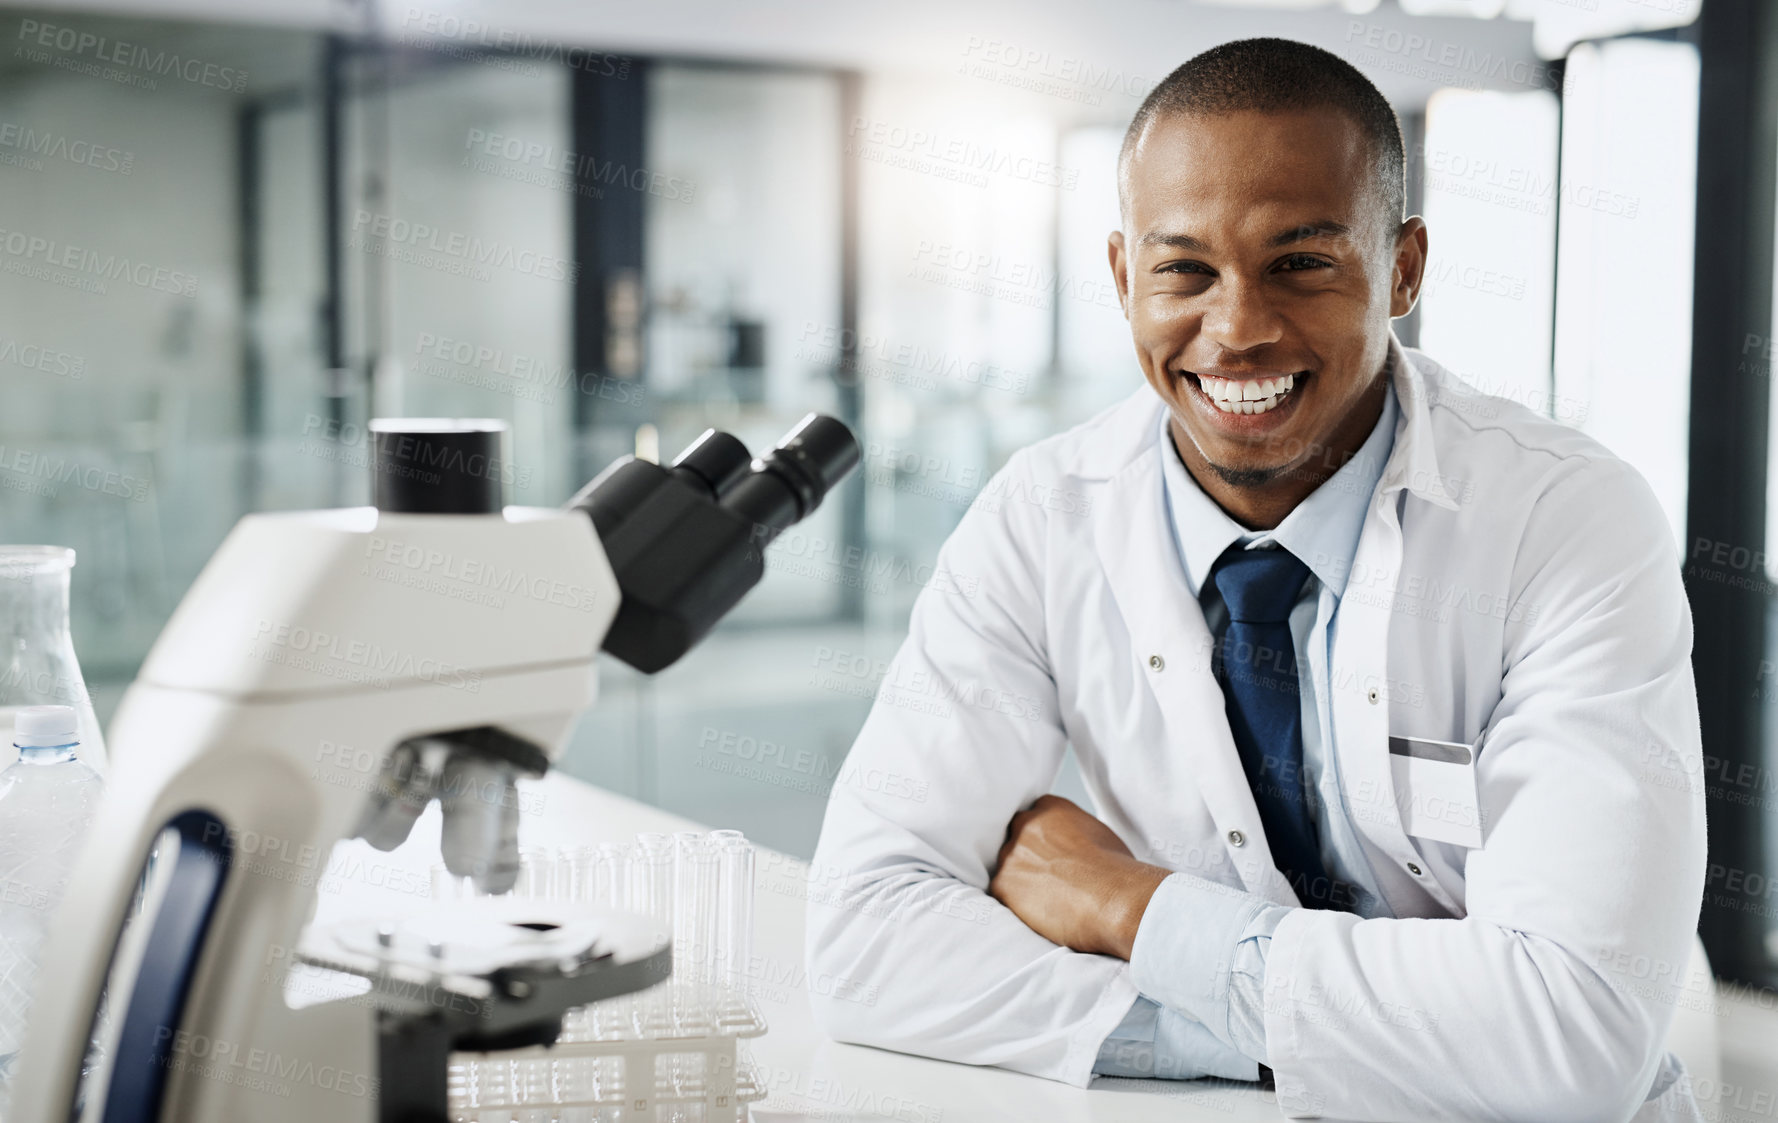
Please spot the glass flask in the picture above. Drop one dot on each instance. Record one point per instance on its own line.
(37, 663)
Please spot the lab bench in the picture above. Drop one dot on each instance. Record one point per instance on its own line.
(809, 1076)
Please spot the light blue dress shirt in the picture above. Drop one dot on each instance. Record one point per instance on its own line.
(1197, 1018)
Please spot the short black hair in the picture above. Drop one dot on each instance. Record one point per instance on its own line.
(1270, 76)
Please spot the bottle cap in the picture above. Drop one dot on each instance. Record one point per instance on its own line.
(41, 727)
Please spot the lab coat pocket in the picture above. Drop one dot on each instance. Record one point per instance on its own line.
(1435, 790)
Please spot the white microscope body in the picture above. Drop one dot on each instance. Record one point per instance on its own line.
(456, 652)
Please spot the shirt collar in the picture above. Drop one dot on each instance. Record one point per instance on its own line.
(1322, 531)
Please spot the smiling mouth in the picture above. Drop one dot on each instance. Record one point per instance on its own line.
(1248, 395)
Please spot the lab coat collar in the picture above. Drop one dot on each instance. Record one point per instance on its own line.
(1414, 464)
(1132, 429)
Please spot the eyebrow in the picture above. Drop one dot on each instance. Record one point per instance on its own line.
(1326, 228)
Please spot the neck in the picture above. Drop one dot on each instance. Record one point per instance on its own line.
(48, 754)
(1263, 506)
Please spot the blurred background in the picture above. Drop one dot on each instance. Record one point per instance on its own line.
(232, 231)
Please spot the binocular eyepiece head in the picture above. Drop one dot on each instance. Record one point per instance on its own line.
(687, 541)
(781, 487)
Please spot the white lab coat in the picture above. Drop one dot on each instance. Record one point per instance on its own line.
(1515, 586)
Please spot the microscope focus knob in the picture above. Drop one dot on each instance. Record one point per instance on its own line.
(438, 465)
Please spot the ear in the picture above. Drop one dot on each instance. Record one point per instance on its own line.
(1120, 274)
(1410, 267)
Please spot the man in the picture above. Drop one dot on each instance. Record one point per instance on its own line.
(1380, 696)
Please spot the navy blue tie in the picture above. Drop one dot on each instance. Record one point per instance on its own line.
(1258, 673)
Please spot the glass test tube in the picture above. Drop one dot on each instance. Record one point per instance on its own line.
(694, 908)
(650, 888)
(735, 918)
(610, 870)
(575, 874)
(536, 873)
(649, 880)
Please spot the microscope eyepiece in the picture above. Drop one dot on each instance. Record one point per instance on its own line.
(789, 482)
(716, 460)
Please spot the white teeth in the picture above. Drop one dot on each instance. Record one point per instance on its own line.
(1252, 395)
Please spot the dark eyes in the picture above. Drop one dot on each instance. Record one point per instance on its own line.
(1295, 263)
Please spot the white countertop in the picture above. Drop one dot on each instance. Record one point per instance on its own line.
(809, 1076)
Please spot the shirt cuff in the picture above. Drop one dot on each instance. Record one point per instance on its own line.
(1247, 985)
(1200, 951)
(1156, 1042)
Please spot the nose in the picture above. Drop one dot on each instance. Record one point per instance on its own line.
(1238, 317)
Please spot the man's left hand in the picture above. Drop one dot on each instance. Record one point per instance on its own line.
(1071, 880)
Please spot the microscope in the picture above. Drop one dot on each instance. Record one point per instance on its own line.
(454, 639)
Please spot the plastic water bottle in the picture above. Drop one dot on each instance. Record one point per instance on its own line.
(38, 666)
(47, 800)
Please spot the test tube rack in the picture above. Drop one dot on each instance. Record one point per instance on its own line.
(668, 1054)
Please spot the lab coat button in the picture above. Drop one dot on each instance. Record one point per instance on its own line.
(1413, 869)
(1156, 663)
(1372, 695)
(1236, 838)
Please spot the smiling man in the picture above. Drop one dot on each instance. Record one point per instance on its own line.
(1382, 707)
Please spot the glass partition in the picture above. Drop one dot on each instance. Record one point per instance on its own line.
(128, 323)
